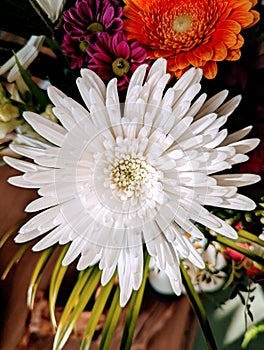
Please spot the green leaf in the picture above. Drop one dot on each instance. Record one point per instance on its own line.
(198, 308)
(80, 296)
(75, 295)
(97, 310)
(133, 310)
(55, 284)
(37, 274)
(36, 91)
(111, 321)
(15, 259)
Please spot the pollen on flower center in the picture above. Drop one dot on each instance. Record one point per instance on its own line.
(131, 176)
(182, 23)
(120, 66)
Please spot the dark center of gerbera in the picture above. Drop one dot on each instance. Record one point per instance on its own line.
(181, 23)
(94, 28)
(120, 66)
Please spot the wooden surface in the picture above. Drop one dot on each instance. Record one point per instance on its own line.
(163, 324)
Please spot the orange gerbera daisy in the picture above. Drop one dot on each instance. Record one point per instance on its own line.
(188, 32)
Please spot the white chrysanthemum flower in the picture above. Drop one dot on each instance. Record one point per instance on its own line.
(123, 176)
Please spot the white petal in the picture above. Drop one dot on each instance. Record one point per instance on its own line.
(51, 238)
(236, 136)
(236, 179)
(73, 251)
(21, 165)
(41, 203)
(245, 146)
(30, 152)
(46, 128)
(19, 181)
(53, 8)
(211, 105)
(89, 83)
(229, 106)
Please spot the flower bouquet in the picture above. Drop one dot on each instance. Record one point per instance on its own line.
(136, 171)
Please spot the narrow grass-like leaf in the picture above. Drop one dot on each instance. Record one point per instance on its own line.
(133, 310)
(11, 230)
(15, 259)
(55, 284)
(111, 321)
(250, 237)
(198, 308)
(74, 297)
(37, 274)
(97, 310)
(36, 91)
(86, 286)
(231, 244)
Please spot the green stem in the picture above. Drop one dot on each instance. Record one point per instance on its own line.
(37, 274)
(96, 313)
(55, 283)
(111, 322)
(133, 311)
(250, 237)
(230, 244)
(198, 308)
(75, 305)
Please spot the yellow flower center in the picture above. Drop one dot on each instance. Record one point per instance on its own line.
(83, 45)
(130, 175)
(120, 66)
(182, 23)
(94, 28)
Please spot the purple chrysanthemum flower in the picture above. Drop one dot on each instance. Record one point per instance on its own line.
(115, 57)
(90, 17)
(76, 51)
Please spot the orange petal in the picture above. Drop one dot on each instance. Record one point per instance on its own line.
(160, 53)
(181, 61)
(210, 69)
(237, 4)
(230, 25)
(256, 16)
(220, 51)
(253, 2)
(233, 55)
(204, 52)
(240, 42)
(246, 19)
(194, 60)
(227, 37)
(243, 5)
(135, 3)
